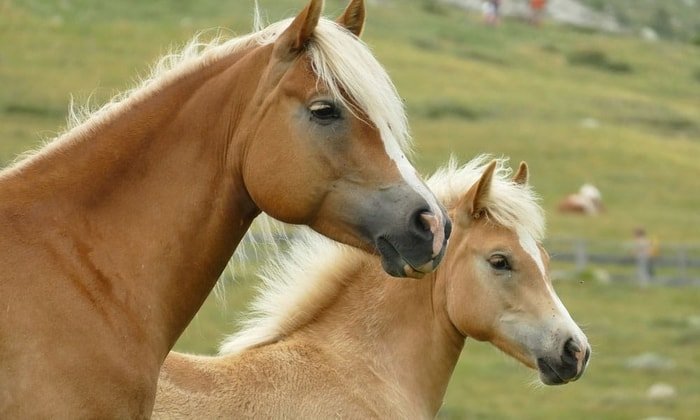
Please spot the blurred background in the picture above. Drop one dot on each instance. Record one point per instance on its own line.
(601, 98)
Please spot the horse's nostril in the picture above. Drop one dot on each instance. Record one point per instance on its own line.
(423, 224)
(427, 221)
(587, 356)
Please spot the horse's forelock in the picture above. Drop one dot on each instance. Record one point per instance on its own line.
(346, 65)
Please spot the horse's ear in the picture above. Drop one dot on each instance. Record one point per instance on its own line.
(353, 18)
(473, 202)
(521, 175)
(293, 40)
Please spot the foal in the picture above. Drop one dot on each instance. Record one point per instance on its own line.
(334, 336)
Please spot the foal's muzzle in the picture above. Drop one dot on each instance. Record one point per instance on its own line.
(568, 367)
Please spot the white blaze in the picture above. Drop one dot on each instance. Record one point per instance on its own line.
(410, 176)
(528, 243)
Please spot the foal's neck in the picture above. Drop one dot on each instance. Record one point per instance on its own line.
(151, 195)
(399, 330)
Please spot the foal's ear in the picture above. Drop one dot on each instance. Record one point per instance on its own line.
(473, 202)
(521, 175)
(293, 40)
(353, 18)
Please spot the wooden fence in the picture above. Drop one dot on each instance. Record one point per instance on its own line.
(675, 264)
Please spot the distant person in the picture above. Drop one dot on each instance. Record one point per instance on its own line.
(645, 251)
(537, 8)
(492, 12)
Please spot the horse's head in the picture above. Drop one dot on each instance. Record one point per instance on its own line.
(498, 287)
(325, 144)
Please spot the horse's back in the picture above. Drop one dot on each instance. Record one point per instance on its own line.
(290, 380)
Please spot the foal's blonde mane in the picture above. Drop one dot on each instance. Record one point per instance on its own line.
(296, 285)
(341, 61)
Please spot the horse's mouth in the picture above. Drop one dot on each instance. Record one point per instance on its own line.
(396, 265)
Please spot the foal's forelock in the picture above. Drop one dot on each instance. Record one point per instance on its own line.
(509, 204)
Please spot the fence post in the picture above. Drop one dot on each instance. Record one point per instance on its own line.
(683, 264)
(580, 254)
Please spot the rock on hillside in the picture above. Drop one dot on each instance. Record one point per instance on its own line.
(569, 12)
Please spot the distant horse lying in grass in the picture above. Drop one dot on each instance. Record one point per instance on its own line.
(587, 201)
(335, 336)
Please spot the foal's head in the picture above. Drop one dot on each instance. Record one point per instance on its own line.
(498, 287)
(326, 144)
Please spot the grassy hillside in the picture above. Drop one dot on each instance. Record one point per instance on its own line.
(675, 19)
(512, 90)
(578, 106)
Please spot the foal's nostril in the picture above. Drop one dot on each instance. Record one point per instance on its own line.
(572, 347)
(587, 356)
(571, 351)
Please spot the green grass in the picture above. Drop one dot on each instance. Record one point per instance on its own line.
(671, 19)
(469, 89)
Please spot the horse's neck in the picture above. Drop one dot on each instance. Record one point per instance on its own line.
(151, 196)
(396, 329)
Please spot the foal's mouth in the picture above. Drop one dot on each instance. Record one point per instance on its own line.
(550, 376)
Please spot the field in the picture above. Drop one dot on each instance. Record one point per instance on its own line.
(577, 106)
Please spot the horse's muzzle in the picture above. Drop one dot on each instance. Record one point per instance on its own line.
(419, 250)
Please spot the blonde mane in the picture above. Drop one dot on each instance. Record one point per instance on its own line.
(509, 204)
(297, 284)
(341, 61)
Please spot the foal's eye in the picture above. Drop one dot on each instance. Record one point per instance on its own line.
(324, 111)
(499, 262)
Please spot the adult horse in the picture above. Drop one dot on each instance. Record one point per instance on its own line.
(336, 337)
(113, 235)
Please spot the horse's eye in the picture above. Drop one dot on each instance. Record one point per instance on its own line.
(499, 262)
(324, 111)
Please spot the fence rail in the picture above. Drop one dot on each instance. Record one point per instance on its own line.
(674, 263)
